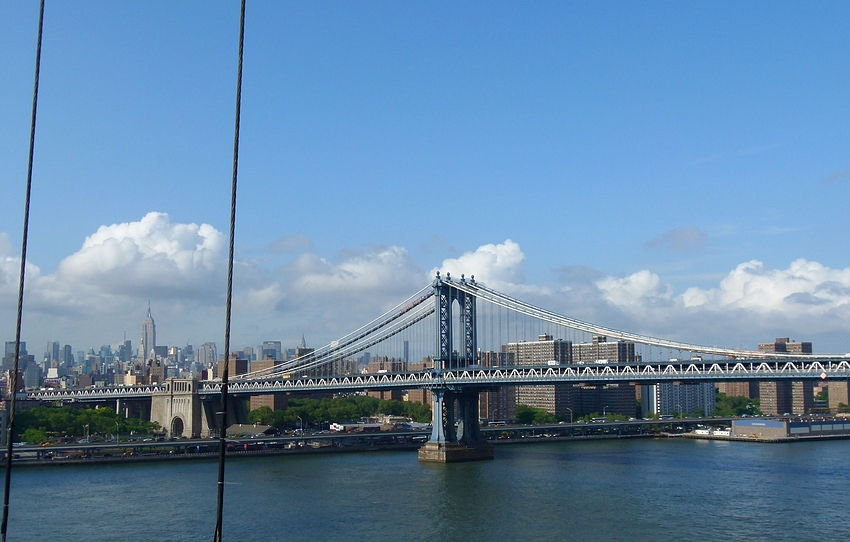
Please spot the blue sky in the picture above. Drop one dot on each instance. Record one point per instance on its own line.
(634, 152)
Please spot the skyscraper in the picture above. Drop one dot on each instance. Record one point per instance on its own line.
(148, 339)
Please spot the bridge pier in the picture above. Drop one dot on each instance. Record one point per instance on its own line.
(177, 409)
(450, 445)
(237, 412)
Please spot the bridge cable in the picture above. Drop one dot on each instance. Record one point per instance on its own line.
(14, 376)
(223, 424)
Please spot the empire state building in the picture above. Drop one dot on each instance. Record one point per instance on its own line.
(148, 339)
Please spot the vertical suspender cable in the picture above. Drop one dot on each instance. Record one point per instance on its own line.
(223, 419)
(13, 379)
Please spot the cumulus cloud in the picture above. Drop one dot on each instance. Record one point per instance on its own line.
(680, 240)
(152, 257)
(103, 288)
(751, 303)
(804, 286)
(379, 268)
(490, 264)
(639, 290)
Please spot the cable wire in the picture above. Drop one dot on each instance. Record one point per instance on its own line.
(13, 378)
(223, 419)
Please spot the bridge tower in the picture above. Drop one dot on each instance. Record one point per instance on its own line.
(177, 409)
(464, 443)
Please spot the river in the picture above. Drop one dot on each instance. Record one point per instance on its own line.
(628, 489)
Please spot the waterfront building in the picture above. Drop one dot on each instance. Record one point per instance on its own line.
(386, 364)
(839, 395)
(554, 398)
(499, 404)
(602, 350)
(666, 398)
(786, 397)
(784, 345)
(420, 395)
(750, 390)
(275, 401)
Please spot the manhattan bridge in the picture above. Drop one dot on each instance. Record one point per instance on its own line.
(458, 328)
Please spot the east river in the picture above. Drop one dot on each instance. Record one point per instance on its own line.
(628, 489)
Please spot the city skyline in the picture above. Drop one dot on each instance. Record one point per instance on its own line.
(677, 171)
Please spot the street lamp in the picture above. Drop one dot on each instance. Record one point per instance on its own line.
(301, 426)
(603, 411)
(117, 438)
(571, 414)
(87, 432)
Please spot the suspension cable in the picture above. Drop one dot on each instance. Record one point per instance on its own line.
(222, 452)
(13, 378)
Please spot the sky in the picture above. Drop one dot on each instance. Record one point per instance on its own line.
(675, 169)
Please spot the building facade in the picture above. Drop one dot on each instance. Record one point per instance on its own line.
(667, 398)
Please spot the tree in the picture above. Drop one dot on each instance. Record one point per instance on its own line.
(528, 415)
(33, 435)
(735, 405)
(263, 415)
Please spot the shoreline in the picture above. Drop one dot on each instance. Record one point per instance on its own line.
(304, 450)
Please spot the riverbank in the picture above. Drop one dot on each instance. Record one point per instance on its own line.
(766, 440)
(183, 453)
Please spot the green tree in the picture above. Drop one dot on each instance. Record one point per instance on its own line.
(528, 415)
(263, 415)
(735, 406)
(33, 435)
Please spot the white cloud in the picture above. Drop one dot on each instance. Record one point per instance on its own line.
(750, 304)
(804, 288)
(152, 257)
(103, 289)
(490, 264)
(638, 290)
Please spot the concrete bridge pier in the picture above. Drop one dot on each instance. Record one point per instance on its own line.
(181, 412)
(237, 412)
(177, 409)
(450, 445)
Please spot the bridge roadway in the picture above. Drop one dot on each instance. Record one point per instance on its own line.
(642, 373)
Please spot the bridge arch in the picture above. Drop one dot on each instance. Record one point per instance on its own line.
(177, 427)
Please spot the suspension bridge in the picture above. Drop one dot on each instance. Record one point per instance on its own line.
(468, 338)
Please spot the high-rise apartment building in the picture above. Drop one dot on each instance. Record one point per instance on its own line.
(775, 397)
(783, 397)
(784, 345)
(839, 395)
(671, 398)
(553, 398)
(500, 404)
(602, 350)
